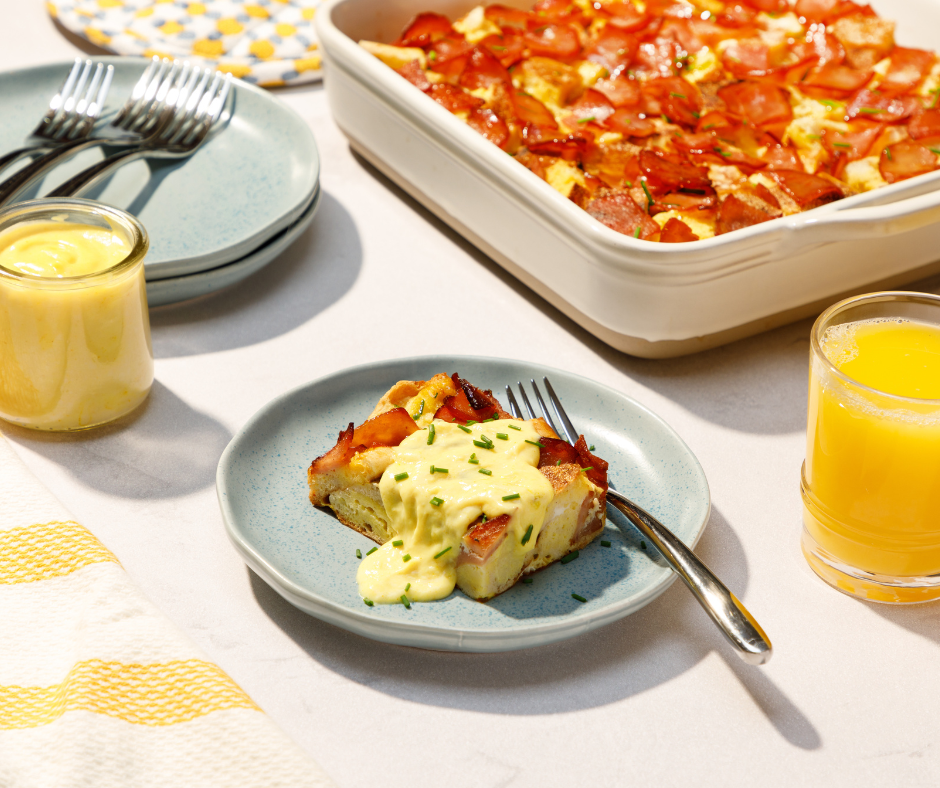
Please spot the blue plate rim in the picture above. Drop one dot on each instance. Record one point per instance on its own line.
(429, 636)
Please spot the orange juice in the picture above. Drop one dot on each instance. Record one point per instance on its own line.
(871, 481)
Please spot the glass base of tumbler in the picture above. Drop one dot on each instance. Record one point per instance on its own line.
(867, 585)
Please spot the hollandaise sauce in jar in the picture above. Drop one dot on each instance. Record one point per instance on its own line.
(75, 348)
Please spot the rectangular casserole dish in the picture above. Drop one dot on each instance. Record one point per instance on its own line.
(647, 299)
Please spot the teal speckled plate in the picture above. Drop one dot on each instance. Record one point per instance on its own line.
(248, 182)
(309, 558)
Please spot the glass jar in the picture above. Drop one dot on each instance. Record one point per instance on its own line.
(75, 350)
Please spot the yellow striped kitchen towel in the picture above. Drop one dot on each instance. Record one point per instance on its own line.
(97, 687)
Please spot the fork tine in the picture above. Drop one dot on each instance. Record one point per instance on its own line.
(150, 103)
(132, 107)
(202, 129)
(64, 116)
(525, 399)
(77, 122)
(56, 102)
(570, 431)
(545, 413)
(513, 405)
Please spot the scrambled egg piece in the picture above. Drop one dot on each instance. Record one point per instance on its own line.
(563, 175)
(395, 57)
(475, 26)
(699, 223)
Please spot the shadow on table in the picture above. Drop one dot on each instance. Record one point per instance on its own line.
(755, 385)
(317, 270)
(651, 647)
(146, 454)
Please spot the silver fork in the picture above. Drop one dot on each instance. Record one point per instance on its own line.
(183, 126)
(725, 609)
(72, 111)
(136, 119)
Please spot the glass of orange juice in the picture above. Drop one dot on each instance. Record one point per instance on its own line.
(75, 347)
(871, 480)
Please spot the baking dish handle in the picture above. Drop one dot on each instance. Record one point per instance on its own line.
(855, 224)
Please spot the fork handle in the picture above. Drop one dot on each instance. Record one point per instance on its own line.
(725, 609)
(91, 175)
(20, 153)
(22, 177)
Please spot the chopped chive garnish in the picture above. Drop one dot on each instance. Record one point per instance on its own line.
(591, 447)
(805, 75)
(483, 445)
(605, 543)
(557, 462)
(432, 55)
(636, 232)
(406, 557)
(829, 102)
(400, 477)
(420, 411)
(570, 557)
(491, 418)
(649, 197)
(535, 443)
(578, 597)
(407, 586)
(446, 549)
(502, 436)
(369, 602)
(430, 434)
(642, 545)
(934, 150)
(888, 154)
(372, 551)
(841, 145)
(435, 469)
(814, 136)
(870, 111)
(473, 459)
(471, 422)
(511, 497)
(398, 543)
(465, 429)
(498, 49)
(527, 535)
(587, 120)
(527, 580)
(589, 468)
(709, 126)
(358, 553)
(514, 426)
(435, 501)
(485, 471)
(696, 115)
(676, 95)
(405, 602)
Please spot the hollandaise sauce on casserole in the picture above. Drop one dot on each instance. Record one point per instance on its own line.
(442, 480)
(678, 120)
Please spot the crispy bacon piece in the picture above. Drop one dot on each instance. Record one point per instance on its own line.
(737, 15)
(925, 124)
(837, 78)
(625, 15)
(508, 49)
(339, 455)
(707, 148)
(904, 160)
(607, 163)
(469, 404)
(748, 59)
(782, 157)
(619, 212)
(613, 49)
(453, 98)
(533, 112)
(594, 466)
(482, 539)
(681, 201)
(736, 214)
(908, 69)
(503, 16)
(808, 190)
(620, 91)
(853, 144)
(555, 11)
(759, 102)
(679, 100)
(592, 105)
(490, 125)
(386, 429)
(766, 195)
(676, 231)
(828, 10)
(874, 105)
(666, 175)
(629, 123)
(658, 58)
(556, 41)
(413, 72)
(424, 30)
(558, 452)
(768, 6)
(483, 70)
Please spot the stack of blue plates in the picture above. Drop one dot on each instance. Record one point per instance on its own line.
(213, 218)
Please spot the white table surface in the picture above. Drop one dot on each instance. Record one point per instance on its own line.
(849, 699)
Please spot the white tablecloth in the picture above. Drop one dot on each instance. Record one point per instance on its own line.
(849, 699)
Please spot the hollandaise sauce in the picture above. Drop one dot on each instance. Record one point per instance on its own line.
(74, 329)
(443, 479)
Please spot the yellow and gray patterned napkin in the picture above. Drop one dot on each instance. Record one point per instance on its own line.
(267, 42)
(97, 687)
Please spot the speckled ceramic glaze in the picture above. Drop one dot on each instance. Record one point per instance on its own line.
(246, 184)
(310, 559)
(181, 288)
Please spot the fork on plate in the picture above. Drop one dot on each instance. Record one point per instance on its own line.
(72, 111)
(192, 109)
(137, 120)
(724, 608)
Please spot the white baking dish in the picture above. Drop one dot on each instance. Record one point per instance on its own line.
(648, 299)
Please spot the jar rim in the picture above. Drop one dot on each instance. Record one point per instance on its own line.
(885, 296)
(31, 210)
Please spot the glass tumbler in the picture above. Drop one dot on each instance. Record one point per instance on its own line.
(75, 350)
(871, 479)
